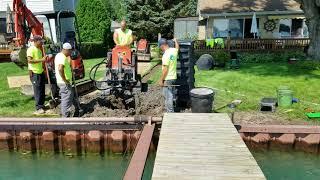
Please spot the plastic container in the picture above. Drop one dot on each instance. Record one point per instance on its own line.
(202, 100)
(285, 96)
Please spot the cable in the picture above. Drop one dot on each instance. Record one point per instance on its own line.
(93, 73)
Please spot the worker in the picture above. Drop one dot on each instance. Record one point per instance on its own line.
(169, 72)
(36, 71)
(64, 80)
(123, 35)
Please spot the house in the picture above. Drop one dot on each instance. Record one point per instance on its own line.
(186, 28)
(37, 7)
(276, 19)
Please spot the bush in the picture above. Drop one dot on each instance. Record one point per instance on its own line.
(255, 57)
(94, 20)
(271, 56)
(220, 56)
(93, 50)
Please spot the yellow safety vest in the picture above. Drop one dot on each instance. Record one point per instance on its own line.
(36, 54)
(124, 38)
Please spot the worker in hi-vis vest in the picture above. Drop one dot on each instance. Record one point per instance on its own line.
(123, 35)
(36, 71)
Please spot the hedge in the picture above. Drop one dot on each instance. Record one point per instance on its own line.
(93, 50)
(263, 57)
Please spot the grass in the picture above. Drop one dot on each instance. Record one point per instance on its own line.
(13, 103)
(254, 81)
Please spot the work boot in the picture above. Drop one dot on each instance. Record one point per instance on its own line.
(39, 112)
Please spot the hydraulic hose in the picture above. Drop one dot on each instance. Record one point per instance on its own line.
(93, 73)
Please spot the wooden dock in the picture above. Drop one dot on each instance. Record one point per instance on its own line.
(202, 146)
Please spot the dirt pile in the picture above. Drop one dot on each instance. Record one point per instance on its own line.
(147, 103)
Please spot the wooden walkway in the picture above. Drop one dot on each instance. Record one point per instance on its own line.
(202, 146)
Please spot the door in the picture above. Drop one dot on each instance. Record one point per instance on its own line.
(247, 28)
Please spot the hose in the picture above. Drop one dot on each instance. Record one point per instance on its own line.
(93, 73)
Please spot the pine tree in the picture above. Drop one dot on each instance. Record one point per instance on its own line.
(150, 17)
(190, 9)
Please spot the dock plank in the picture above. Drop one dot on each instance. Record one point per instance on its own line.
(202, 146)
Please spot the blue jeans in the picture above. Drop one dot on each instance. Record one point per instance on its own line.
(168, 93)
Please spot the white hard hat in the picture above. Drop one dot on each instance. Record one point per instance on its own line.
(67, 46)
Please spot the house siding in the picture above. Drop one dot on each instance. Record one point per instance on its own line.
(185, 28)
(42, 5)
(268, 34)
(33, 5)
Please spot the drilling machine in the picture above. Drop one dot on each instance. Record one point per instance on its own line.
(121, 77)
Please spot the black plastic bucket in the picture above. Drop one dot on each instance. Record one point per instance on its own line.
(201, 100)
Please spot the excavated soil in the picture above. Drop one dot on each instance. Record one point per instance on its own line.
(97, 105)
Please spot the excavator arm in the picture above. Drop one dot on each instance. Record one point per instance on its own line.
(25, 23)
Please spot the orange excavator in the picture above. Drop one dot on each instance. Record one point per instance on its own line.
(27, 24)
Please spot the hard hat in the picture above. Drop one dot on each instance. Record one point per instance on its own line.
(67, 46)
(162, 41)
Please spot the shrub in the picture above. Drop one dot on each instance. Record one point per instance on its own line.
(221, 56)
(94, 20)
(93, 50)
(271, 56)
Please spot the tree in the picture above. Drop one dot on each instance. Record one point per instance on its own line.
(190, 9)
(311, 10)
(119, 9)
(150, 17)
(94, 19)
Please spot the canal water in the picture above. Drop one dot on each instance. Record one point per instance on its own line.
(276, 165)
(280, 165)
(16, 166)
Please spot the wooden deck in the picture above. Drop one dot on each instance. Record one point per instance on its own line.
(202, 146)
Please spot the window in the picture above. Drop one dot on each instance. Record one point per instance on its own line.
(285, 28)
(3, 25)
(220, 28)
(293, 28)
(236, 28)
(297, 28)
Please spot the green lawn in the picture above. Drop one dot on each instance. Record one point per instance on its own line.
(254, 81)
(13, 103)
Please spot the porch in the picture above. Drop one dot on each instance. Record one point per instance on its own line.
(250, 44)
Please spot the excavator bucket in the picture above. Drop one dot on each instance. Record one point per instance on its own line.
(19, 57)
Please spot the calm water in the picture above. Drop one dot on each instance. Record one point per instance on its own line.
(278, 165)
(15, 166)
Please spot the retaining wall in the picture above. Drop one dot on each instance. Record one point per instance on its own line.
(281, 137)
(71, 142)
(117, 135)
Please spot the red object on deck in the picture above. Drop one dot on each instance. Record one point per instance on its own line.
(143, 45)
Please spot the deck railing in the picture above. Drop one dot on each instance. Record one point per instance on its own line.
(254, 44)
